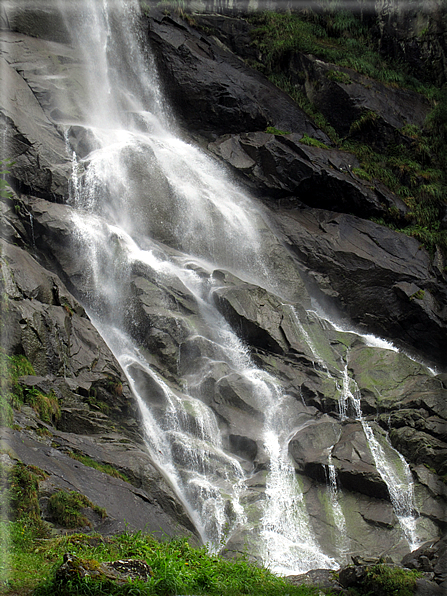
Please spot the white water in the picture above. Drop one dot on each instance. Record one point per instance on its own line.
(147, 201)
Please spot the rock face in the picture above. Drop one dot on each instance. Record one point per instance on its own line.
(223, 96)
(241, 357)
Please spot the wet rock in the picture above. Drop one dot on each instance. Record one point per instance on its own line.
(255, 314)
(311, 446)
(32, 141)
(355, 465)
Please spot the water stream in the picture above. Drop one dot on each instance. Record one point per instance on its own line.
(155, 216)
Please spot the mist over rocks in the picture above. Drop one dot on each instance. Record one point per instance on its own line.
(379, 280)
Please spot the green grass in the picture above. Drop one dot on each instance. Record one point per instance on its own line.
(177, 568)
(339, 37)
(14, 395)
(66, 509)
(306, 140)
(30, 556)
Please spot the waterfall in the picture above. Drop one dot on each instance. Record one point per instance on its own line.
(161, 229)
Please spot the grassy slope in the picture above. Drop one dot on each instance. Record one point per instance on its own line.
(417, 172)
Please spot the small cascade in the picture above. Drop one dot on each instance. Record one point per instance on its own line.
(341, 539)
(347, 397)
(390, 464)
(31, 224)
(396, 473)
(286, 531)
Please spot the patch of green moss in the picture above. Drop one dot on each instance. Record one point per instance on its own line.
(106, 468)
(306, 140)
(275, 131)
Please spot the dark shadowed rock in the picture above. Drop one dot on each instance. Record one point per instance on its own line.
(280, 166)
(345, 97)
(212, 90)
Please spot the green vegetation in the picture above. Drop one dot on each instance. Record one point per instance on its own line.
(383, 579)
(106, 468)
(178, 568)
(414, 169)
(66, 509)
(275, 131)
(339, 77)
(335, 36)
(419, 295)
(19, 502)
(14, 395)
(306, 140)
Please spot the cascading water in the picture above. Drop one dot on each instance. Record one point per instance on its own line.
(158, 221)
(392, 467)
(341, 538)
